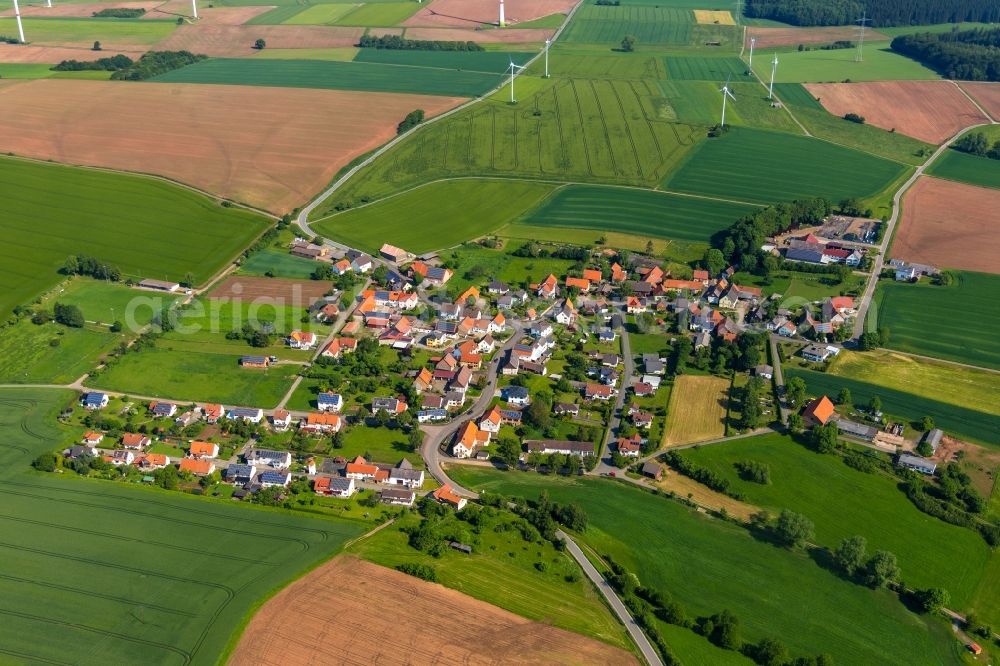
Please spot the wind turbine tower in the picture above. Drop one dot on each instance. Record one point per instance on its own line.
(725, 93)
(774, 69)
(194, 8)
(502, 22)
(861, 36)
(513, 69)
(20, 28)
(753, 40)
(548, 43)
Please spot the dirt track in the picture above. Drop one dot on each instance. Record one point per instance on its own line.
(769, 37)
(949, 225)
(931, 111)
(353, 612)
(269, 147)
(470, 13)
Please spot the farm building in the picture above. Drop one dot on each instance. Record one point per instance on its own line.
(916, 463)
(652, 470)
(859, 430)
(255, 361)
(403, 474)
(397, 496)
(159, 285)
(564, 447)
(393, 253)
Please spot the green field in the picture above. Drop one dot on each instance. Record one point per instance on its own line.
(700, 102)
(848, 502)
(797, 95)
(132, 222)
(112, 33)
(591, 130)
(491, 62)
(769, 167)
(342, 54)
(278, 263)
(871, 139)
(28, 357)
(435, 216)
(697, 68)
(594, 24)
(101, 572)
(922, 318)
(502, 572)
(379, 14)
(106, 302)
(708, 565)
(567, 63)
(500, 265)
(326, 14)
(638, 212)
(879, 64)
(334, 75)
(962, 422)
(193, 375)
(966, 168)
(40, 71)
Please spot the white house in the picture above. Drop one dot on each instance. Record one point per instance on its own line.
(253, 415)
(329, 402)
(302, 340)
(275, 459)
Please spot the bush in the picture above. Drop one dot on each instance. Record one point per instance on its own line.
(412, 119)
(119, 12)
(854, 118)
(755, 471)
(154, 63)
(396, 43)
(421, 571)
(46, 462)
(69, 315)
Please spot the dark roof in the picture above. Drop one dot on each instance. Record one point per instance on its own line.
(515, 392)
(238, 471)
(272, 476)
(651, 467)
(341, 485)
(268, 453)
(397, 493)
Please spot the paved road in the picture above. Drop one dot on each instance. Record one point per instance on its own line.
(866, 298)
(616, 414)
(650, 654)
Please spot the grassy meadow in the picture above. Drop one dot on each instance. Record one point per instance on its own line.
(131, 222)
(129, 574)
(368, 77)
(436, 215)
(708, 565)
(966, 168)
(278, 263)
(637, 212)
(880, 64)
(843, 502)
(925, 319)
(770, 167)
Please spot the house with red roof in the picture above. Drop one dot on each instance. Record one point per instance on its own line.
(445, 495)
(132, 440)
(819, 411)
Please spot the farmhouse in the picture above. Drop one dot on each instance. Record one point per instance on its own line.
(819, 411)
(445, 495)
(403, 474)
(362, 470)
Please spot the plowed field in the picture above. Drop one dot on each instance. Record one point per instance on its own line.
(269, 147)
(770, 37)
(470, 13)
(238, 40)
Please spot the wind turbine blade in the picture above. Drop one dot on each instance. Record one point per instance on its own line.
(730, 95)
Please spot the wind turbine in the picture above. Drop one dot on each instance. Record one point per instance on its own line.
(194, 8)
(725, 93)
(20, 28)
(513, 68)
(501, 23)
(548, 43)
(753, 40)
(774, 68)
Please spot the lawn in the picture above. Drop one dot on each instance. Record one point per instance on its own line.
(27, 354)
(379, 14)
(333, 75)
(112, 33)
(381, 444)
(771, 167)
(959, 421)
(479, 264)
(800, 286)
(132, 574)
(583, 130)
(967, 387)
(634, 211)
(434, 216)
(107, 302)
(131, 222)
(921, 318)
(491, 62)
(190, 375)
(966, 168)
(880, 64)
(279, 264)
(847, 502)
(502, 571)
(697, 409)
(708, 565)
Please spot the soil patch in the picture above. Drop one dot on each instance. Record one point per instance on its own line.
(300, 293)
(482, 36)
(988, 96)
(470, 13)
(234, 41)
(949, 225)
(28, 53)
(208, 15)
(269, 147)
(353, 612)
(768, 37)
(931, 111)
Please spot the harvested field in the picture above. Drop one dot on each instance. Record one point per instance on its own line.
(209, 15)
(712, 16)
(988, 96)
(481, 36)
(237, 40)
(77, 10)
(198, 134)
(295, 293)
(683, 486)
(771, 37)
(470, 13)
(931, 111)
(949, 225)
(29, 53)
(377, 615)
(697, 410)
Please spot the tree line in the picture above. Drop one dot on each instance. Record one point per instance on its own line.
(881, 12)
(155, 63)
(970, 55)
(397, 43)
(112, 64)
(978, 144)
